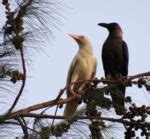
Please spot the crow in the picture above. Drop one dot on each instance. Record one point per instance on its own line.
(115, 58)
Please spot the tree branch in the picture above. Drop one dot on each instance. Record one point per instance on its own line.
(59, 101)
(85, 117)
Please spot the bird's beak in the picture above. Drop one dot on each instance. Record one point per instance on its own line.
(105, 25)
(76, 37)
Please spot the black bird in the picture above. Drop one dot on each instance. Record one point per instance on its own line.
(115, 59)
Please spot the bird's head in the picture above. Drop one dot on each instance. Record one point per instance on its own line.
(80, 39)
(113, 28)
(83, 42)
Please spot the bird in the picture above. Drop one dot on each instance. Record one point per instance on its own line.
(115, 59)
(83, 67)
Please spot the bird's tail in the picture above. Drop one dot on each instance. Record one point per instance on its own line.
(70, 108)
(118, 95)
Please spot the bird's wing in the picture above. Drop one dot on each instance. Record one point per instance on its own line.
(71, 70)
(110, 57)
(94, 68)
(71, 107)
(125, 59)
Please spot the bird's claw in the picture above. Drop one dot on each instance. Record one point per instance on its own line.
(74, 94)
(81, 92)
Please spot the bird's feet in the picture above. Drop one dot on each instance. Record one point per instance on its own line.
(74, 94)
(80, 92)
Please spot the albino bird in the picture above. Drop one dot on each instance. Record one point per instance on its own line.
(83, 67)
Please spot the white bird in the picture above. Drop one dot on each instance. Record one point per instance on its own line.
(83, 67)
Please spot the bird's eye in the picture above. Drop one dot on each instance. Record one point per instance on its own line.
(82, 37)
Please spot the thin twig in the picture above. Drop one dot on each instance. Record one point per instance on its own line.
(24, 127)
(23, 80)
(15, 123)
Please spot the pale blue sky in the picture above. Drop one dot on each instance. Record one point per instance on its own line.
(81, 17)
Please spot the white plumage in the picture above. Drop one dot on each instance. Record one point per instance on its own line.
(83, 67)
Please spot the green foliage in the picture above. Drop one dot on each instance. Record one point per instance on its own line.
(96, 99)
(45, 133)
(136, 115)
(96, 127)
(63, 127)
(58, 130)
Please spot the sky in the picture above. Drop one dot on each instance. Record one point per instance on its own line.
(48, 72)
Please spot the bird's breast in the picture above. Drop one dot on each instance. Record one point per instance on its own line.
(86, 67)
